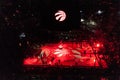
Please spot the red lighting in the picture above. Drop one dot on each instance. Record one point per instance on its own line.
(30, 61)
(60, 46)
(97, 45)
(68, 54)
(60, 55)
(94, 60)
(104, 78)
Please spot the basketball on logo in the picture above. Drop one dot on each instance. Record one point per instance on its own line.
(60, 15)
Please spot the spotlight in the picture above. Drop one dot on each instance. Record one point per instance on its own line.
(97, 45)
(82, 20)
(99, 12)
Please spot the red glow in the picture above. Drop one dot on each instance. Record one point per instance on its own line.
(50, 63)
(60, 55)
(97, 45)
(94, 60)
(66, 54)
(30, 61)
(102, 78)
(60, 46)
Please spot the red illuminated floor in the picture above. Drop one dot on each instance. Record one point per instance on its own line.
(67, 54)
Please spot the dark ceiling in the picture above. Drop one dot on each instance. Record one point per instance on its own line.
(39, 14)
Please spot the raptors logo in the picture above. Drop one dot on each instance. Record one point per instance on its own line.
(60, 15)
